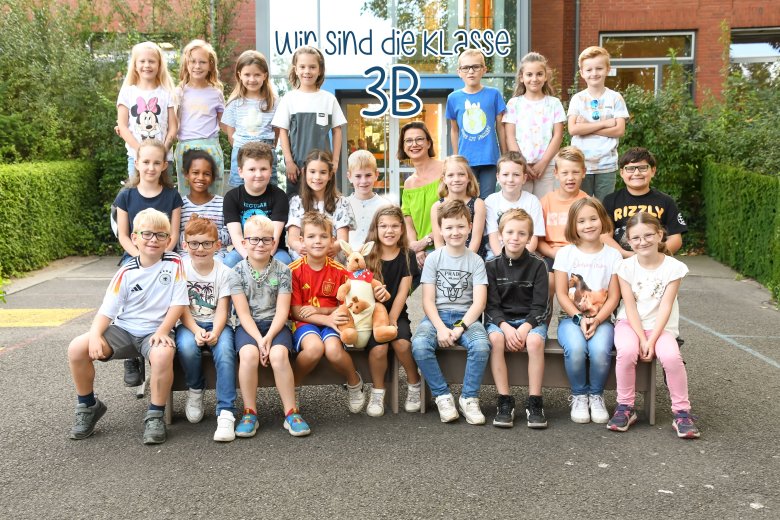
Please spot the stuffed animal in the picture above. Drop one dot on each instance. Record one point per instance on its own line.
(357, 295)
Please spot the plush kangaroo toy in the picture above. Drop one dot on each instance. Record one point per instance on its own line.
(357, 295)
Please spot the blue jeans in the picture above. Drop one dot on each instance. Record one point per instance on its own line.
(234, 257)
(576, 349)
(189, 354)
(475, 340)
(599, 185)
(486, 175)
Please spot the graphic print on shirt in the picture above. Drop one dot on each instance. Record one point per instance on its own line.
(475, 125)
(202, 297)
(251, 212)
(452, 283)
(146, 120)
(252, 122)
(587, 301)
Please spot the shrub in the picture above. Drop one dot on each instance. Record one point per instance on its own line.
(742, 210)
(45, 213)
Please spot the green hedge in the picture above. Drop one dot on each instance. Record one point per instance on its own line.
(742, 211)
(47, 211)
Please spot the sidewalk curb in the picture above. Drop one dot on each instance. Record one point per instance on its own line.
(50, 272)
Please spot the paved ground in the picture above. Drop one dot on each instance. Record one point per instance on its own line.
(403, 466)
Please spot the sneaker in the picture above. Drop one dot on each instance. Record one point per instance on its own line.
(86, 419)
(376, 403)
(133, 368)
(248, 426)
(470, 409)
(194, 407)
(154, 427)
(684, 426)
(225, 427)
(413, 399)
(295, 424)
(357, 396)
(622, 419)
(446, 405)
(579, 408)
(534, 412)
(505, 413)
(598, 411)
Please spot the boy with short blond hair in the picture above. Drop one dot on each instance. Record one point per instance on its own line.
(141, 306)
(454, 285)
(597, 119)
(316, 279)
(475, 114)
(362, 173)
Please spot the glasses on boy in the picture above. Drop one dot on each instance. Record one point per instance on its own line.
(470, 68)
(267, 241)
(147, 235)
(642, 168)
(194, 244)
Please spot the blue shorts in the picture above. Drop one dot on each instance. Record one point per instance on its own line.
(540, 329)
(304, 330)
(283, 338)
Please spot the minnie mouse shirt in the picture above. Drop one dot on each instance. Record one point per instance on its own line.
(148, 113)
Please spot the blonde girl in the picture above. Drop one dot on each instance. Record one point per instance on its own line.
(306, 115)
(648, 323)
(200, 105)
(534, 122)
(588, 292)
(394, 264)
(319, 193)
(250, 109)
(149, 187)
(145, 107)
(458, 182)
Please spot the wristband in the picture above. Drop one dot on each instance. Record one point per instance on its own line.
(460, 324)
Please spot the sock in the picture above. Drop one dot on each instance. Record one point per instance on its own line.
(88, 399)
(249, 411)
(414, 385)
(291, 411)
(156, 407)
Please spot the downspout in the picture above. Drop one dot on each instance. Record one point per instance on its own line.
(576, 38)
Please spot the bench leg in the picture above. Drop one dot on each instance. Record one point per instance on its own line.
(425, 394)
(394, 385)
(168, 415)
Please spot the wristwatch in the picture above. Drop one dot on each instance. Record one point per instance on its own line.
(460, 324)
(429, 240)
(577, 318)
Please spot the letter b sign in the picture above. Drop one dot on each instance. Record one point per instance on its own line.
(397, 96)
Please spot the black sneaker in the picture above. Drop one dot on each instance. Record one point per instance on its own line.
(134, 371)
(534, 412)
(86, 419)
(505, 415)
(154, 427)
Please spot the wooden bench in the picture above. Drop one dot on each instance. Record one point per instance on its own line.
(453, 365)
(323, 374)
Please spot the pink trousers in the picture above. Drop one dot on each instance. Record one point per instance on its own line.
(668, 353)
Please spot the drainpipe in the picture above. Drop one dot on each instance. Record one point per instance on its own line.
(576, 39)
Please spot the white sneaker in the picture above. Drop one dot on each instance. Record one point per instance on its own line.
(579, 408)
(598, 411)
(194, 406)
(357, 396)
(376, 403)
(469, 407)
(413, 399)
(446, 405)
(226, 430)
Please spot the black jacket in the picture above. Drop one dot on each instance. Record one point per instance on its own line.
(517, 289)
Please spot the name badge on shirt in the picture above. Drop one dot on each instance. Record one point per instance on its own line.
(322, 119)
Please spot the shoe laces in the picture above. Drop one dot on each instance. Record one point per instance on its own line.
(376, 399)
(471, 405)
(578, 400)
(247, 418)
(413, 396)
(597, 401)
(504, 406)
(446, 401)
(684, 418)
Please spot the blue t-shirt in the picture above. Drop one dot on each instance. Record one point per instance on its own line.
(476, 117)
(131, 201)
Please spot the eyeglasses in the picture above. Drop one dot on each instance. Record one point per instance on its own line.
(267, 241)
(194, 244)
(147, 235)
(641, 168)
(416, 140)
(470, 68)
(649, 237)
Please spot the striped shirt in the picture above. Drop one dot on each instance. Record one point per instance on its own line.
(211, 210)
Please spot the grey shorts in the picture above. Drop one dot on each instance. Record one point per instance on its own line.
(127, 346)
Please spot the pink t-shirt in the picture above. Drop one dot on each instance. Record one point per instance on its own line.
(200, 111)
(556, 214)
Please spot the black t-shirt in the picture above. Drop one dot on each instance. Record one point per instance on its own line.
(239, 205)
(621, 206)
(393, 271)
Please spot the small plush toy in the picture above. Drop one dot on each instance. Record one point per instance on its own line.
(357, 295)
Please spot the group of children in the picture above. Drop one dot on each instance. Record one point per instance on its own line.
(503, 257)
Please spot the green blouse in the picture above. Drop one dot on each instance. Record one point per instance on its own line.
(417, 203)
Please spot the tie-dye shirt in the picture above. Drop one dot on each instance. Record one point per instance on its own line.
(534, 122)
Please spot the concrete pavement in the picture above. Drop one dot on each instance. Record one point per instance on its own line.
(403, 466)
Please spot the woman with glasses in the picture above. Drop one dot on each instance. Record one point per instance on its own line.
(421, 189)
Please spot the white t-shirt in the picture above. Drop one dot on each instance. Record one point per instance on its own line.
(589, 275)
(649, 287)
(364, 211)
(600, 152)
(138, 298)
(534, 122)
(148, 113)
(496, 205)
(205, 291)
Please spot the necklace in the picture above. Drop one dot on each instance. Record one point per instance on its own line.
(258, 276)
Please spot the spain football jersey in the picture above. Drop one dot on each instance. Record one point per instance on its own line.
(316, 288)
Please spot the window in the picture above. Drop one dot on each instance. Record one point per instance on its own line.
(756, 53)
(644, 58)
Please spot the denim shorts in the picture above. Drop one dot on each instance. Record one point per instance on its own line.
(540, 329)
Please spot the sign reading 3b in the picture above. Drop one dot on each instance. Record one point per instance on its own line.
(402, 103)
